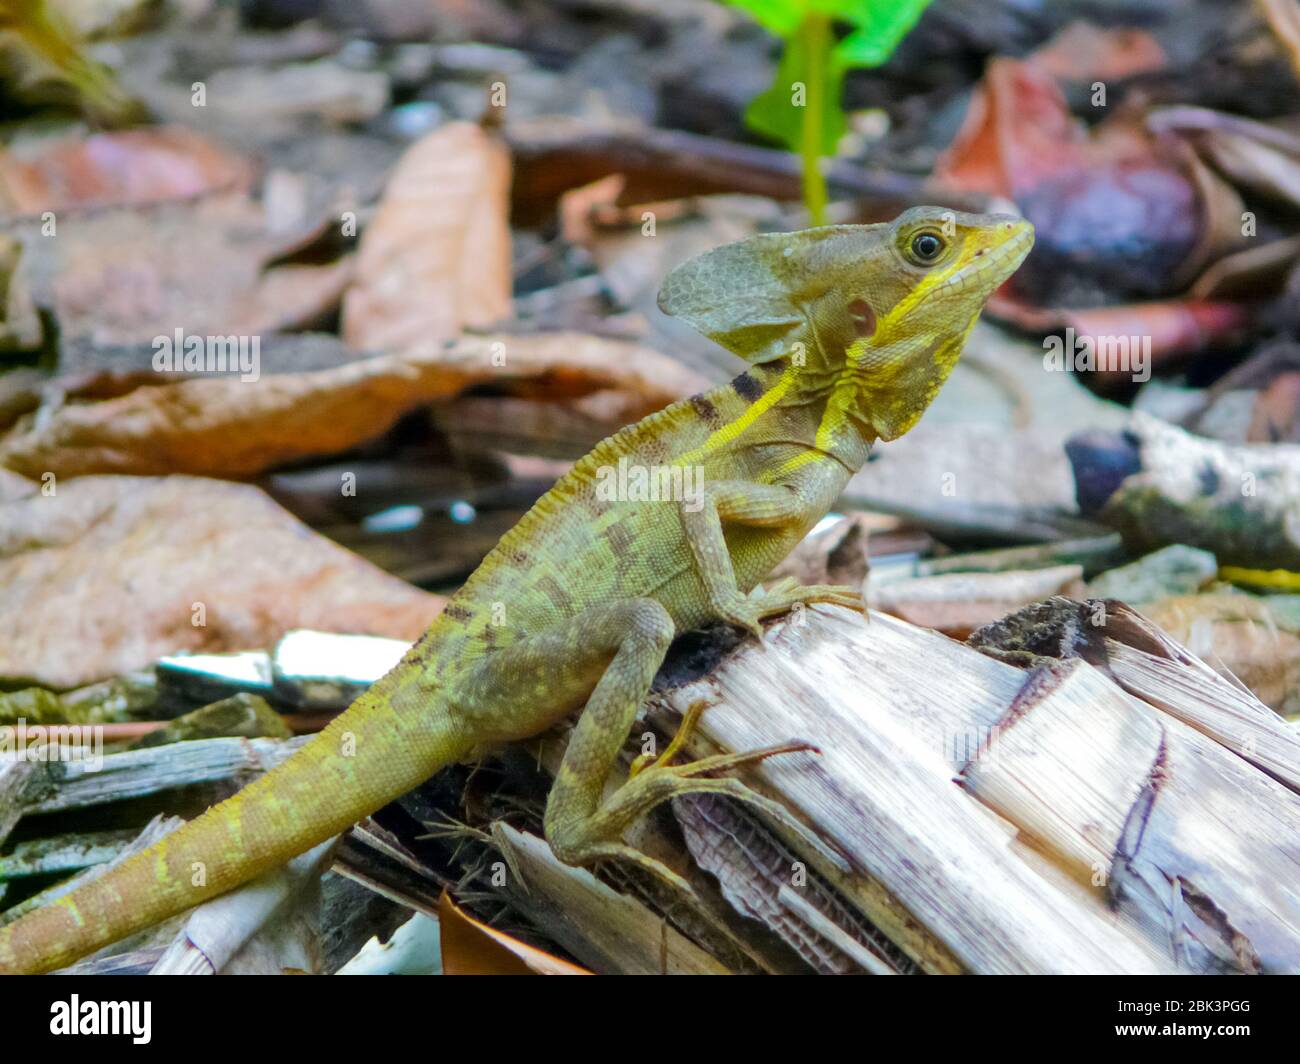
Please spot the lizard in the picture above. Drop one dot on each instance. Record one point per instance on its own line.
(849, 332)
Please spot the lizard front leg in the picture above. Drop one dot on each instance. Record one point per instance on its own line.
(607, 655)
(763, 506)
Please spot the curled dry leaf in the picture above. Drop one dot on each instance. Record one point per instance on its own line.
(161, 565)
(223, 426)
(1257, 271)
(436, 257)
(131, 167)
(1262, 158)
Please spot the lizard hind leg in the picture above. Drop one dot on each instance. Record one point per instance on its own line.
(607, 655)
(581, 833)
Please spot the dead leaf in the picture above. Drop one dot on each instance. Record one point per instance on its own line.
(436, 257)
(1120, 213)
(1238, 635)
(579, 206)
(835, 555)
(294, 297)
(143, 558)
(1276, 414)
(1175, 328)
(1016, 129)
(223, 426)
(472, 948)
(131, 167)
(125, 276)
(1283, 17)
(1083, 51)
(1249, 274)
(1256, 156)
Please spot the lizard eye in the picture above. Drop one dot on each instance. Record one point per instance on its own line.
(927, 247)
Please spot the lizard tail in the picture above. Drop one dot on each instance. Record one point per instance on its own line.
(389, 740)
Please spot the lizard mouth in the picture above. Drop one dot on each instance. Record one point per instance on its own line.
(992, 265)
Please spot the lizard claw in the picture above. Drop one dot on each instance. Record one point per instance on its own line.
(744, 613)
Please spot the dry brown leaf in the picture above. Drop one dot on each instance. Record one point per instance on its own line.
(1083, 51)
(222, 426)
(1236, 634)
(1256, 156)
(131, 167)
(579, 208)
(136, 556)
(1283, 17)
(835, 555)
(294, 297)
(128, 276)
(472, 948)
(436, 257)
(1175, 327)
(1255, 271)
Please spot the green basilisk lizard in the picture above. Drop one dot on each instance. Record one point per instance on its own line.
(850, 331)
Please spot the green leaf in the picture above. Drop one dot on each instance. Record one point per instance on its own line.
(775, 114)
(879, 28)
(781, 17)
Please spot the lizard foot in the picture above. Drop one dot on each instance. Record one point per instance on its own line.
(744, 612)
(787, 593)
(749, 611)
(599, 836)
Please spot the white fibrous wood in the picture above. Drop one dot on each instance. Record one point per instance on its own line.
(1003, 820)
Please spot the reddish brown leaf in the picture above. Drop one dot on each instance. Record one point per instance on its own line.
(223, 426)
(1176, 327)
(126, 168)
(1086, 52)
(136, 557)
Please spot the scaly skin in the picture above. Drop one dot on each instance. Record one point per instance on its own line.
(851, 332)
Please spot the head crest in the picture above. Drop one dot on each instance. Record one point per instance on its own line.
(752, 296)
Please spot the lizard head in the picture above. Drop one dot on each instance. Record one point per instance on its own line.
(873, 314)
